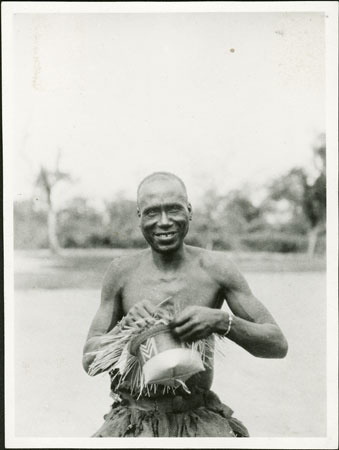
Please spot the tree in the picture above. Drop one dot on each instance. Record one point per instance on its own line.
(221, 220)
(80, 224)
(306, 194)
(122, 222)
(241, 212)
(209, 217)
(46, 182)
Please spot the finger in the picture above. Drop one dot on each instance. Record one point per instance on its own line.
(192, 335)
(142, 311)
(149, 307)
(149, 321)
(130, 321)
(140, 323)
(183, 329)
(182, 318)
(135, 315)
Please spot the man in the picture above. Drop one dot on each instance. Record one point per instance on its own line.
(200, 281)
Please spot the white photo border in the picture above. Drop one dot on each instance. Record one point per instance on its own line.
(330, 9)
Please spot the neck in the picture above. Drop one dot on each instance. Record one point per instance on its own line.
(171, 260)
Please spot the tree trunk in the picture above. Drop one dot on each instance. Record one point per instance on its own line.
(52, 236)
(312, 241)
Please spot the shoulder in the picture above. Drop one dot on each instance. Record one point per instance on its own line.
(211, 260)
(219, 266)
(121, 267)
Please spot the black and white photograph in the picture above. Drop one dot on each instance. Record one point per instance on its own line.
(170, 224)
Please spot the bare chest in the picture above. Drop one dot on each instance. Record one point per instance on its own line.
(186, 288)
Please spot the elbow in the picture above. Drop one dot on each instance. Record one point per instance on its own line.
(87, 360)
(87, 357)
(276, 347)
(85, 363)
(281, 348)
(284, 348)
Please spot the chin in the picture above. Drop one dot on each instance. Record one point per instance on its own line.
(166, 248)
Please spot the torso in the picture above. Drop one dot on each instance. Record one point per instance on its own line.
(192, 284)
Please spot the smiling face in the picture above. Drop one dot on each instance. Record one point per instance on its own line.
(164, 213)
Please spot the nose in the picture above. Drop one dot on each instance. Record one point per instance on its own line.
(163, 219)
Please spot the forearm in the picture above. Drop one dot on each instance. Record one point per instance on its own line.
(263, 340)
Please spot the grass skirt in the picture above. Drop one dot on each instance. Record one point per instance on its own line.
(200, 414)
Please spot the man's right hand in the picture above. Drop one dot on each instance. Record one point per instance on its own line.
(140, 313)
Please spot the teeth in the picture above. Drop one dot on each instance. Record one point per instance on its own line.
(165, 234)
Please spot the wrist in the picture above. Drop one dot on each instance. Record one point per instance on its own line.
(225, 324)
(222, 322)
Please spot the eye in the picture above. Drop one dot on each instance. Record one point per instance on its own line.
(174, 209)
(151, 213)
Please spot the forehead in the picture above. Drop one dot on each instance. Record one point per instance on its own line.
(161, 190)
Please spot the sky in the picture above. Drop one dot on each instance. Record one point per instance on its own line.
(221, 99)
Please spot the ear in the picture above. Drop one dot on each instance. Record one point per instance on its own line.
(190, 211)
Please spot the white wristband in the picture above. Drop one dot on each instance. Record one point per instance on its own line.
(230, 320)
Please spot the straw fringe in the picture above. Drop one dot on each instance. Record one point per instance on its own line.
(114, 355)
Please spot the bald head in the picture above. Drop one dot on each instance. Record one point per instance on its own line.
(156, 177)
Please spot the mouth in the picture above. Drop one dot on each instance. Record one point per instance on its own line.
(168, 234)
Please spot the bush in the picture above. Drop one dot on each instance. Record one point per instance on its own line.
(275, 242)
(30, 226)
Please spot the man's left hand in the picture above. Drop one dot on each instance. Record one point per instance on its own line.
(198, 322)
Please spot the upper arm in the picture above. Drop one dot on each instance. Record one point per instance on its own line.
(239, 296)
(110, 310)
